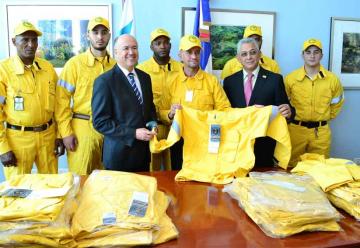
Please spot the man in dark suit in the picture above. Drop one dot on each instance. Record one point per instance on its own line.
(254, 85)
(122, 107)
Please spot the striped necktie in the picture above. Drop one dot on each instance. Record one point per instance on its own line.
(134, 87)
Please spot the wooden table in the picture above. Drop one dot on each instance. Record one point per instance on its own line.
(206, 217)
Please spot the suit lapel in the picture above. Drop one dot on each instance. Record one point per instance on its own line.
(241, 89)
(122, 78)
(260, 81)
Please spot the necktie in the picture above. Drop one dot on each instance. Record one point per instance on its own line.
(134, 87)
(248, 88)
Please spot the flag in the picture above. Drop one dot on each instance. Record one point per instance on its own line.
(127, 22)
(202, 30)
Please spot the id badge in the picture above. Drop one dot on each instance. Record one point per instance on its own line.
(18, 103)
(189, 95)
(214, 138)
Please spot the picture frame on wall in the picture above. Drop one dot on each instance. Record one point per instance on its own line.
(227, 28)
(64, 28)
(345, 51)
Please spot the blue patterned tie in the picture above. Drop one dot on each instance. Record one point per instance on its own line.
(134, 87)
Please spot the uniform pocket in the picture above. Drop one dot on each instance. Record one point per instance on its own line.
(50, 102)
(204, 101)
(322, 103)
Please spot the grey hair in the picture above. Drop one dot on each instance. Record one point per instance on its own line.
(247, 41)
(116, 40)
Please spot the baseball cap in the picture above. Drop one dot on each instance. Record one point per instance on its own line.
(158, 32)
(252, 29)
(312, 42)
(25, 26)
(189, 41)
(98, 21)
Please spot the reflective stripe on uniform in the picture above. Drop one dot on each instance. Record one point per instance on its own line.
(66, 85)
(176, 127)
(338, 99)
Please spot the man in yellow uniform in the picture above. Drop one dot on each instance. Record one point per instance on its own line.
(161, 69)
(317, 96)
(234, 65)
(192, 88)
(27, 102)
(83, 143)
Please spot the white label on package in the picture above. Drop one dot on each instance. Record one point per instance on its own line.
(109, 218)
(139, 204)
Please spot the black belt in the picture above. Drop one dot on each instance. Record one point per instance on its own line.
(40, 128)
(81, 116)
(310, 124)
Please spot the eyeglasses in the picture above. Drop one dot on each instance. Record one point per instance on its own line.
(251, 53)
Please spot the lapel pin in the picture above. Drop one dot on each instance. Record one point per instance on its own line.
(264, 76)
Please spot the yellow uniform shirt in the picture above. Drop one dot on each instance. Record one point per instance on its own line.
(76, 82)
(235, 157)
(317, 99)
(202, 92)
(34, 85)
(234, 65)
(160, 75)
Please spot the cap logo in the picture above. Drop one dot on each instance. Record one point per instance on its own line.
(161, 31)
(27, 24)
(192, 38)
(311, 41)
(98, 19)
(253, 28)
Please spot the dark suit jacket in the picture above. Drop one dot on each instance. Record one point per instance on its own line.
(269, 90)
(117, 114)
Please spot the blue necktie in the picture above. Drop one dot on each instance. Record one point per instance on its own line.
(134, 87)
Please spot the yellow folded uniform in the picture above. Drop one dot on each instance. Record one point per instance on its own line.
(328, 173)
(347, 197)
(282, 204)
(123, 213)
(37, 210)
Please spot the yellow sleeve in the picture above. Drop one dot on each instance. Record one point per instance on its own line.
(276, 67)
(221, 102)
(226, 71)
(287, 87)
(4, 145)
(337, 99)
(165, 105)
(64, 90)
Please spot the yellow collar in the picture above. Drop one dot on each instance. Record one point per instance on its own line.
(302, 73)
(199, 76)
(19, 66)
(90, 58)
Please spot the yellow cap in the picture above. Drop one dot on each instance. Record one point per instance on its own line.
(98, 21)
(189, 41)
(312, 42)
(158, 32)
(252, 29)
(25, 26)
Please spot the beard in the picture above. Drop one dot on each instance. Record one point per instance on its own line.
(99, 47)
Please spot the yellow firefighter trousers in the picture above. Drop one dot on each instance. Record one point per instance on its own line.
(30, 147)
(87, 156)
(309, 140)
